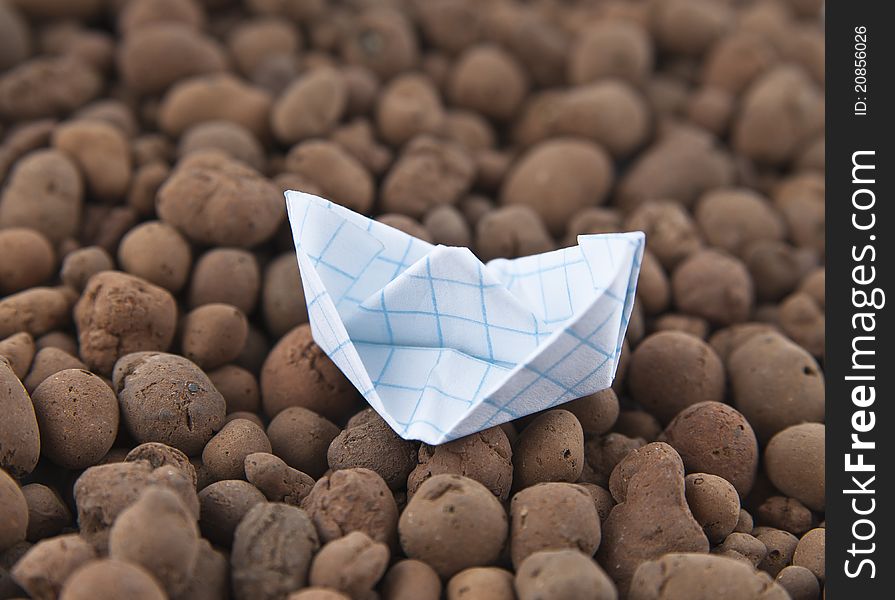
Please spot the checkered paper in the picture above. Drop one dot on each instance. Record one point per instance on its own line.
(442, 345)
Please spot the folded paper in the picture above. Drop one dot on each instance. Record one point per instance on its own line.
(441, 345)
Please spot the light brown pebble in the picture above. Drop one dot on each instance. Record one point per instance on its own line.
(810, 552)
(553, 516)
(562, 574)
(224, 454)
(82, 264)
(213, 334)
(222, 505)
(101, 152)
(551, 448)
(557, 178)
(410, 579)
(158, 533)
(48, 514)
(799, 582)
(49, 563)
(158, 253)
(19, 433)
(462, 514)
(272, 550)
(107, 579)
(702, 577)
(118, 314)
(481, 583)
(352, 564)
(77, 414)
(714, 503)
(353, 500)
(216, 200)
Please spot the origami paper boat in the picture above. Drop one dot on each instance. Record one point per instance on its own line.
(442, 345)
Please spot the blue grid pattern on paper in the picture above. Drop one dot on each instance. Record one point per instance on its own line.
(402, 319)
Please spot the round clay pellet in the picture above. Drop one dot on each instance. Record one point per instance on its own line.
(77, 414)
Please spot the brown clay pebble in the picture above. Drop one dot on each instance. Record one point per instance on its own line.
(775, 384)
(597, 413)
(557, 178)
(316, 593)
(794, 461)
(712, 437)
(488, 80)
(408, 106)
(231, 138)
(298, 373)
(283, 297)
(672, 234)
(714, 286)
(48, 515)
(745, 524)
(18, 349)
(780, 546)
(410, 579)
(613, 48)
(340, 177)
(36, 311)
(550, 448)
(101, 152)
(77, 414)
(166, 398)
(310, 107)
(158, 253)
(744, 547)
(702, 577)
(787, 514)
(652, 517)
(511, 232)
(352, 564)
(428, 173)
(223, 505)
(46, 566)
(158, 533)
(48, 361)
(272, 550)
(603, 453)
(154, 57)
(463, 515)
(374, 445)
(301, 438)
(213, 199)
(224, 454)
(82, 264)
(108, 579)
(27, 259)
(14, 524)
(239, 388)
(566, 574)
(102, 492)
(352, 500)
(485, 456)
(226, 276)
(714, 503)
(481, 583)
(732, 218)
(19, 435)
(670, 371)
(276, 480)
(43, 192)
(799, 582)
(213, 334)
(161, 455)
(553, 516)
(119, 314)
